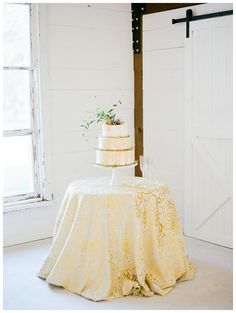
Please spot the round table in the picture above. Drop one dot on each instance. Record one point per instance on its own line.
(113, 241)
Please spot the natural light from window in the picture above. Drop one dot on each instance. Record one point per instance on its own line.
(20, 143)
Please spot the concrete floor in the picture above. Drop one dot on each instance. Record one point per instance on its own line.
(211, 288)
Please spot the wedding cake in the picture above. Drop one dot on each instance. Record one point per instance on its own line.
(115, 146)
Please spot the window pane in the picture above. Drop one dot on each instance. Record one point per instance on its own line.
(16, 35)
(17, 109)
(18, 165)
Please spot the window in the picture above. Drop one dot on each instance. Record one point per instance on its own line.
(23, 172)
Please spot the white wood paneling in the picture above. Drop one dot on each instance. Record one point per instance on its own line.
(90, 79)
(86, 58)
(118, 7)
(90, 56)
(66, 120)
(86, 17)
(164, 59)
(28, 225)
(164, 85)
(165, 101)
(208, 209)
(157, 80)
(93, 98)
(84, 48)
(164, 38)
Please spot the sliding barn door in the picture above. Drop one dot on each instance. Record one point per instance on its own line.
(208, 120)
(187, 109)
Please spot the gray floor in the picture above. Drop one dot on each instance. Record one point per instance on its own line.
(211, 288)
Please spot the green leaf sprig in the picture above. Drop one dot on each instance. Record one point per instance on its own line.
(101, 115)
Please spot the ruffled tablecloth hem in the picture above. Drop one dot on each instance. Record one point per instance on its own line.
(129, 287)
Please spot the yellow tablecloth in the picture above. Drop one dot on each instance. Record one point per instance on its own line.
(112, 241)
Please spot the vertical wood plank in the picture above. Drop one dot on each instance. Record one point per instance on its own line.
(138, 109)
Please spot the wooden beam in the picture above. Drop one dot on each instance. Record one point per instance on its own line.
(138, 109)
(158, 7)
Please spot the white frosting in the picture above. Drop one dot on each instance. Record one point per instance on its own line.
(106, 157)
(114, 146)
(114, 130)
(114, 143)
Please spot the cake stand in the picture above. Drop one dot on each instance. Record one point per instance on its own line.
(115, 178)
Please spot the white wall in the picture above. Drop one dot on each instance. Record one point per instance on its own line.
(87, 62)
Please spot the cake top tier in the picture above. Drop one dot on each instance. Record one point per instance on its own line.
(114, 130)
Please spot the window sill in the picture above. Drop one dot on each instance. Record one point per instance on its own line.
(26, 205)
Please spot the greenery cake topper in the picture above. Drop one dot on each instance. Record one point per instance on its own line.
(101, 115)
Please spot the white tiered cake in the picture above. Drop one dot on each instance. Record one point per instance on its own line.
(114, 146)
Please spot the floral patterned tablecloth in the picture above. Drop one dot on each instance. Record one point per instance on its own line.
(113, 241)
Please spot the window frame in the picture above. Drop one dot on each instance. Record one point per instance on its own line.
(35, 130)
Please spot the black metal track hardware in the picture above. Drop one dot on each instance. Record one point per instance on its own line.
(190, 18)
(137, 11)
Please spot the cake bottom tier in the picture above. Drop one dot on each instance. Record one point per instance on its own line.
(116, 158)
